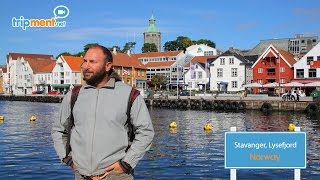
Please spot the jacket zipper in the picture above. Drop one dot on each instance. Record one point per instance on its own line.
(94, 128)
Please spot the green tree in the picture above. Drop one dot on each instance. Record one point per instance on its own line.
(158, 80)
(207, 42)
(183, 42)
(64, 54)
(149, 47)
(128, 46)
(170, 46)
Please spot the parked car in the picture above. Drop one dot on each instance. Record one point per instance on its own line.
(292, 95)
(184, 93)
(54, 92)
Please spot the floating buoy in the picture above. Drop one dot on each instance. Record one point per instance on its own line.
(173, 125)
(1, 118)
(291, 127)
(33, 118)
(173, 130)
(208, 126)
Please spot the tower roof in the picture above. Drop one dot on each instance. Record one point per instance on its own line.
(152, 25)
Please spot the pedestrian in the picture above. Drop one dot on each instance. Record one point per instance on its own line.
(99, 137)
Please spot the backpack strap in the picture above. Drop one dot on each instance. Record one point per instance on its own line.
(133, 95)
(74, 97)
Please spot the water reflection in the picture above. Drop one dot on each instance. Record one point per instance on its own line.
(185, 152)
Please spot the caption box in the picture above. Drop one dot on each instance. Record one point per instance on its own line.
(265, 150)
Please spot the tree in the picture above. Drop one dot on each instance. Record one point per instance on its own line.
(183, 42)
(149, 47)
(158, 80)
(207, 42)
(64, 54)
(128, 46)
(170, 46)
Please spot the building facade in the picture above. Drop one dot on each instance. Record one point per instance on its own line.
(273, 66)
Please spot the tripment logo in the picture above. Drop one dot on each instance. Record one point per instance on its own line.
(59, 12)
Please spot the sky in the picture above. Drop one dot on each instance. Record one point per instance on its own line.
(239, 24)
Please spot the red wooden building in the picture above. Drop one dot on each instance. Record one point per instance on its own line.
(273, 66)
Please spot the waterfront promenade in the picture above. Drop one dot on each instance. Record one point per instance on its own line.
(226, 102)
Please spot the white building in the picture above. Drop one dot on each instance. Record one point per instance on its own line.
(66, 72)
(197, 77)
(229, 72)
(20, 73)
(308, 67)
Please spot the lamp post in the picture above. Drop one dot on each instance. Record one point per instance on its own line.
(279, 74)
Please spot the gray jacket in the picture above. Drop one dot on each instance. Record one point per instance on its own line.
(99, 137)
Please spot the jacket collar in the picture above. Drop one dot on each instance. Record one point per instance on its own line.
(109, 85)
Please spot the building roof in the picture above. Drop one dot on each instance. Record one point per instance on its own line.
(125, 60)
(74, 62)
(33, 56)
(4, 69)
(240, 56)
(288, 56)
(200, 59)
(157, 54)
(152, 25)
(41, 65)
(159, 64)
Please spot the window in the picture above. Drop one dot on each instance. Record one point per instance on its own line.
(199, 75)
(300, 73)
(309, 59)
(260, 70)
(119, 71)
(142, 73)
(56, 74)
(234, 84)
(222, 61)
(138, 72)
(219, 72)
(234, 72)
(312, 73)
(67, 74)
(75, 81)
(282, 69)
(231, 60)
(260, 81)
(282, 80)
(318, 58)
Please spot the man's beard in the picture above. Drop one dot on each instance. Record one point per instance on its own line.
(96, 78)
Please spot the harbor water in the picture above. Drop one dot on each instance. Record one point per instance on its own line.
(187, 152)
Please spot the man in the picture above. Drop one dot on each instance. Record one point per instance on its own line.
(99, 138)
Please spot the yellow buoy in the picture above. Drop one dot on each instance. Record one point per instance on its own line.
(1, 118)
(208, 126)
(33, 118)
(173, 125)
(173, 130)
(291, 127)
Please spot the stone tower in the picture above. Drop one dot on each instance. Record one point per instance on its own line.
(152, 34)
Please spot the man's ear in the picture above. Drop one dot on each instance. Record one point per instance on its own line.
(108, 66)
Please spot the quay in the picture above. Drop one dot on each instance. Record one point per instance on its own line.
(223, 102)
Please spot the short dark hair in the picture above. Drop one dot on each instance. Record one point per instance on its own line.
(107, 53)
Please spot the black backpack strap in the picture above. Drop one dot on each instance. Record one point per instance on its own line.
(133, 95)
(74, 96)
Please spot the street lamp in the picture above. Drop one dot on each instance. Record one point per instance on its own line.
(279, 73)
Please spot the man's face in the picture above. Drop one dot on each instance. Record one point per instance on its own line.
(94, 67)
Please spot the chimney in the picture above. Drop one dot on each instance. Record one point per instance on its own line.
(128, 52)
(114, 50)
